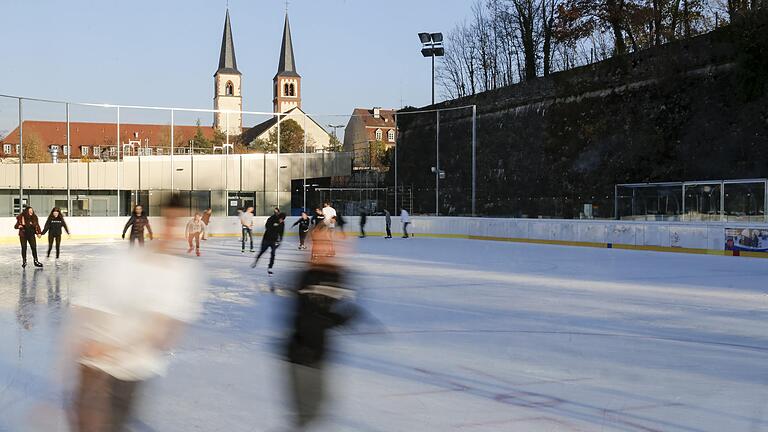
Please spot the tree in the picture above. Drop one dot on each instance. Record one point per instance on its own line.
(335, 145)
(291, 139)
(200, 140)
(33, 149)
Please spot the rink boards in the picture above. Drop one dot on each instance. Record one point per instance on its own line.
(686, 237)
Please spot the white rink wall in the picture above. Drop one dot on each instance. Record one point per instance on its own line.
(601, 233)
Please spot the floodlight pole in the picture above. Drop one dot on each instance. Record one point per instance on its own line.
(21, 155)
(433, 76)
(474, 159)
(69, 151)
(437, 164)
(118, 144)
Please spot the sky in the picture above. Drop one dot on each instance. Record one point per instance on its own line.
(350, 53)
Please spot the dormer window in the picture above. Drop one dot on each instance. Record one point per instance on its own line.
(229, 89)
(391, 135)
(379, 134)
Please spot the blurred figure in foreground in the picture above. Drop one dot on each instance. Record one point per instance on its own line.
(323, 302)
(123, 322)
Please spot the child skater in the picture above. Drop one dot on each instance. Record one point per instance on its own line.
(29, 227)
(195, 229)
(53, 227)
(303, 224)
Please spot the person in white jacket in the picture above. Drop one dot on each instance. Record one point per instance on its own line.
(194, 230)
(405, 218)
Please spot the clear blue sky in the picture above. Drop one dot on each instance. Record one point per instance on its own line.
(350, 53)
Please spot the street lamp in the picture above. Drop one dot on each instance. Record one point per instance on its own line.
(432, 46)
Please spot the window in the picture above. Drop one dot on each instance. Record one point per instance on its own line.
(65, 149)
(159, 151)
(230, 89)
(286, 89)
(7, 148)
(18, 148)
(113, 151)
(379, 135)
(291, 90)
(84, 150)
(148, 151)
(97, 151)
(54, 148)
(391, 135)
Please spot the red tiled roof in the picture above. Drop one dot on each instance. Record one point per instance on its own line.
(101, 134)
(386, 117)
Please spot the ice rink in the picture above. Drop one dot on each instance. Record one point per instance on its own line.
(460, 335)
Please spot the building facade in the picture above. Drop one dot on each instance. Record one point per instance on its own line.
(368, 131)
(227, 80)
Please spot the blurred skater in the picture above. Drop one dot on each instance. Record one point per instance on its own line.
(207, 221)
(273, 235)
(195, 229)
(138, 221)
(405, 218)
(124, 320)
(318, 217)
(53, 227)
(329, 212)
(246, 222)
(303, 224)
(29, 232)
(323, 302)
(363, 220)
(388, 223)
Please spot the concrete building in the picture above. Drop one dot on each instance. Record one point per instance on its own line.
(223, 182)
(367, 127)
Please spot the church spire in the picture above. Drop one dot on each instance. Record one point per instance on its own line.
(227, 61)
(287, 64)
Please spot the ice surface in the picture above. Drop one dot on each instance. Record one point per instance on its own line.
(461, 335)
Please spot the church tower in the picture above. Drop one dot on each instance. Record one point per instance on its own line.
(227, 90)
(287, 83)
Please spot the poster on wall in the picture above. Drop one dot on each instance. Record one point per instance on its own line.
(746, 239)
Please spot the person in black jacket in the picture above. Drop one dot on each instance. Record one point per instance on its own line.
(318, 217)
(303, 224)
(273, 235)
(363, 220)
(322, 303)
(53, 227)
(138, 222)
(29, 228)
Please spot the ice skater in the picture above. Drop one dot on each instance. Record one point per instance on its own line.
(207, 221)
(323, 302)
(53, 227)
(273, 235)
(124, 320)
(138, 222)
(363, 220)
(29, 232)
(318, 217)
(303, 224)
(246, 222)
(388, 223)
(405, 218)
(329, 212)
(195, 229)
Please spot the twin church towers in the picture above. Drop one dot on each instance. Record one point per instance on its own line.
(286, 89)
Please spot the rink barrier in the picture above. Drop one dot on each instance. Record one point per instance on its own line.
(679, 237)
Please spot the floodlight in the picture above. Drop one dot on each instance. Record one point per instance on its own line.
(425, 38)
(427, 52)
(436, 37)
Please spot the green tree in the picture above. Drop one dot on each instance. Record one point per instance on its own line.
(200, 140)
(335, 145)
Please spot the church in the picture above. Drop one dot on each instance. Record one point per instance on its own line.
(286, 91)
